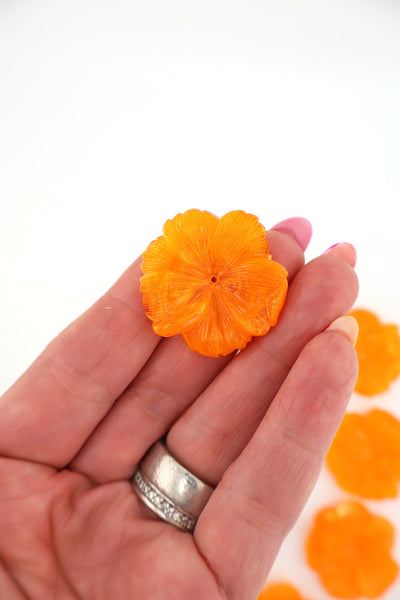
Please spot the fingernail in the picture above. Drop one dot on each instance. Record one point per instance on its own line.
(298, 228)
(345, 251)
(347, 325)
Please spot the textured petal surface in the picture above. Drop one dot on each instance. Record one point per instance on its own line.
(213, 281)
(156, 259)
(256, 290)
(172, 301)
(190, 240)
(239, 235)
(216, 333)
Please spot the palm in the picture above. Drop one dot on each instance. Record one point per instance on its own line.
(74, 428)
(76, 540)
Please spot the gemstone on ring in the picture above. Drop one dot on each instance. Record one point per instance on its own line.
(155, 500)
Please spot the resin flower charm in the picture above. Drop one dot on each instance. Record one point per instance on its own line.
(213, 281)
(378, 352)
(280, 591)
(351, 550)
(365, 454)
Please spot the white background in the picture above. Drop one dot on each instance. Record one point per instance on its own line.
(115, 115)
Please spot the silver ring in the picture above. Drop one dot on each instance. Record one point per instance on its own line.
(170, 490)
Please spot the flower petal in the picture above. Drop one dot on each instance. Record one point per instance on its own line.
(216, 333)
(255, 292)
(190, 239)
(173, 274)
(238, 236)
(156, 259)
(172, 301)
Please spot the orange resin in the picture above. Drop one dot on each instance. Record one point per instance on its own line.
(213, 281)
(280, 591)
(350, 548)
(365, 454)
(378, 351)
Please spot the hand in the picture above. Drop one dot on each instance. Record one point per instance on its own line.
(257, 425)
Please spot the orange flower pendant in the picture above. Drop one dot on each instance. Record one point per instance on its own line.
(213, 281)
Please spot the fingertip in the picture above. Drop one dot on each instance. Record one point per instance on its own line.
(345, 251)
(299, 228)
(347, 326)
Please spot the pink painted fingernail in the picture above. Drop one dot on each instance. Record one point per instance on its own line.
(347, 325)
(345, 251)
(298, 228)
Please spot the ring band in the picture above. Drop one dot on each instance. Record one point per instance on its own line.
(170, 490)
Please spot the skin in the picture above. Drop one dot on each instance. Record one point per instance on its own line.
(257, 426)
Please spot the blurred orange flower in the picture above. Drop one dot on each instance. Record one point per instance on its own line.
(365, 454)
(280, 591)
(213, 281)
(350, 547)
(378, 351)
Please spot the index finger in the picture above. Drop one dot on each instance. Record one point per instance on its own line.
(73, 383)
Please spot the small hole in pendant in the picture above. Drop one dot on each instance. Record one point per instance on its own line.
(213, 279)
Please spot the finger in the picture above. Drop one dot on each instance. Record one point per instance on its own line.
(49, 412)
(297, 228)
(168, 384)
(213, 432)
(262, 493)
